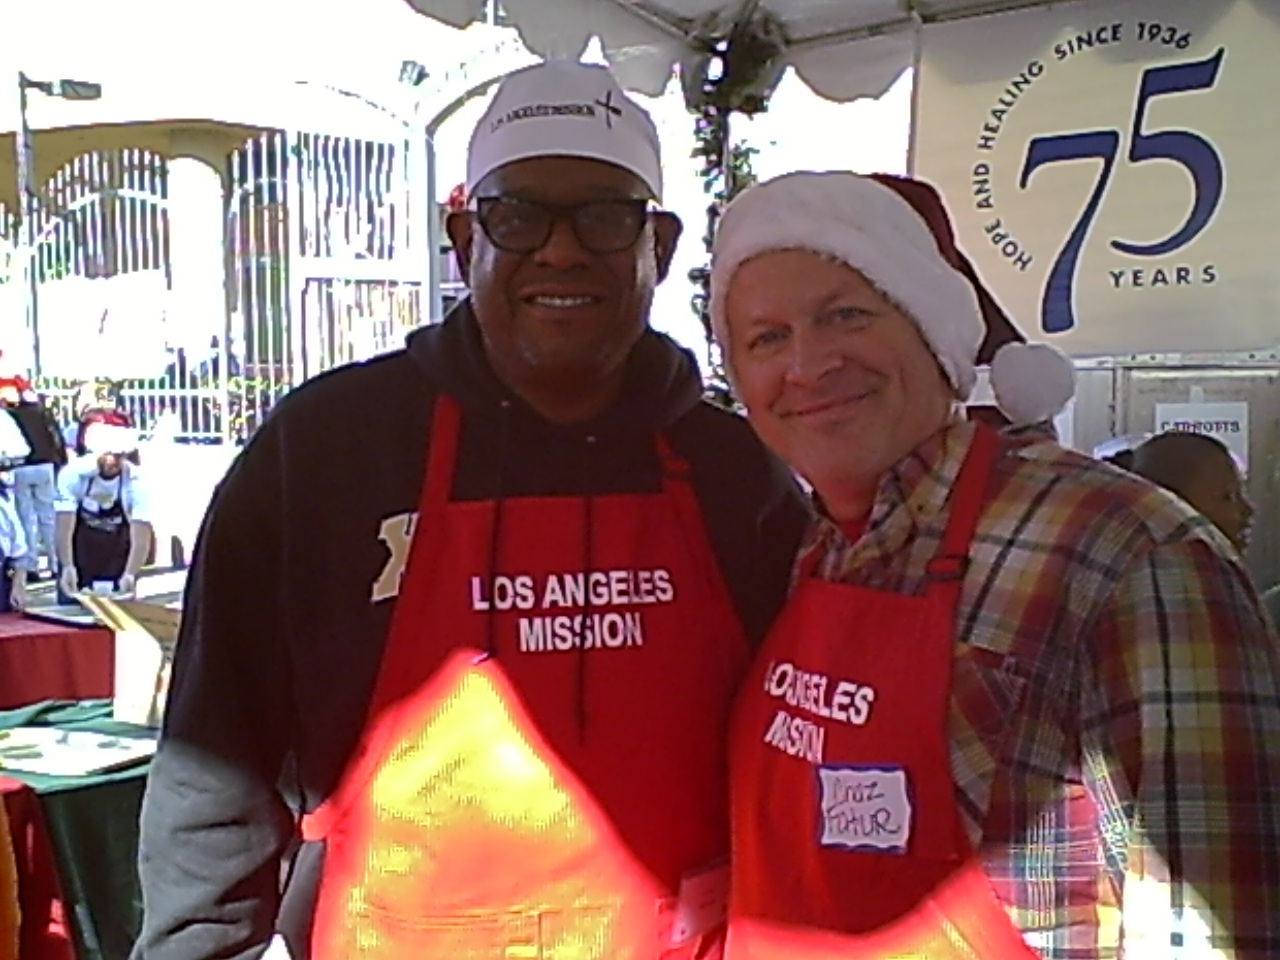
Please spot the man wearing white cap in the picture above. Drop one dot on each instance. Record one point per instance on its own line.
(486, 599)
(103, 526)
(1020, 704)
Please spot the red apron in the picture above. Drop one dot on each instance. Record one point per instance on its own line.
(847, 839)
(520, 791)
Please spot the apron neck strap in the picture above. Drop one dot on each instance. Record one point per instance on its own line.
(446, 424)
(947, 569)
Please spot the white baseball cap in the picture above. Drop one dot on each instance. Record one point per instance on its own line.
(565, 109)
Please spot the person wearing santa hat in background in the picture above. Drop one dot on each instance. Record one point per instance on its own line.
(1020, 704)
(104, 531)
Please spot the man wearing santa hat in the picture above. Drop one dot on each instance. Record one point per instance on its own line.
(104, 531)
(1020, 704)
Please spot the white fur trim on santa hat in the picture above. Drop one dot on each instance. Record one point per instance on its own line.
(874, 230)
(109, 438)
(1032, 382)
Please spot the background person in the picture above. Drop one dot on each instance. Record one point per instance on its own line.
(104, 532)
(34, 480)
(1201, 470)
(1019, 704)
(488, 597)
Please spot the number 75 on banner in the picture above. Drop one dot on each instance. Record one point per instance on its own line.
(1184, 147)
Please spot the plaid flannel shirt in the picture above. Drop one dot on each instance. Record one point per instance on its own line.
(1115, 707)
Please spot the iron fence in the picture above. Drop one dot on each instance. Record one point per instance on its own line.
(325, 251)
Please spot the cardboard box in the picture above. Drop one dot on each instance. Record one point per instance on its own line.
(146, 629)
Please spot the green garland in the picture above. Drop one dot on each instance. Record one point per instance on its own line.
(721, 182)
(729, 83)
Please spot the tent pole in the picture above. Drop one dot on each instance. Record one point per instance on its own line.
(914, 130)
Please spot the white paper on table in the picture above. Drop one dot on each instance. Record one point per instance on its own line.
(69, 753)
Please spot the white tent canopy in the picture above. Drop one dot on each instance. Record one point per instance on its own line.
(843, 49)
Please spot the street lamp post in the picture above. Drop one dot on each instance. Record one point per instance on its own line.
(63, 90)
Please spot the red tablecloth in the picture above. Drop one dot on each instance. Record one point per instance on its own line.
(46, 661)
(43, 933)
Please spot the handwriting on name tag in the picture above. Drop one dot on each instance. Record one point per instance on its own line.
(865, 808)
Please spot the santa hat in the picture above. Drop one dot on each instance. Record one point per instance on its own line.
(103, 438)
(565, 109)
(13, 386)
(896, 232)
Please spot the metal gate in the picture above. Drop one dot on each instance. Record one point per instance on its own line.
(326, 257)
(327, 247)
(101, 258)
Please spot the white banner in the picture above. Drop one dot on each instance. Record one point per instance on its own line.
(1112, 166)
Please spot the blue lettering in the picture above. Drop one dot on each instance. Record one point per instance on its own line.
(1099, 36)
(1184, 147)
(1162, 275)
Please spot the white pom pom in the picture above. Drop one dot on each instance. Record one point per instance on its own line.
(1032, 382)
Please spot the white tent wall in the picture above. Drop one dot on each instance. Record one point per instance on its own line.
(844, 49)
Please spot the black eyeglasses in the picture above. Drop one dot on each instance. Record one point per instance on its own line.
(523, 226)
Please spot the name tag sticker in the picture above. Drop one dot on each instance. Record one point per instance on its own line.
(702, 904)
(865, 808)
